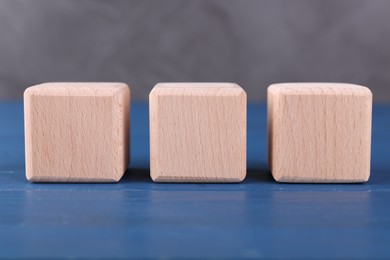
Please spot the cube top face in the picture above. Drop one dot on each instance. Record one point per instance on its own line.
(318, 88)
(77, 89)
(319, 132)
(194, 89)
(76, 132)
(198, 132)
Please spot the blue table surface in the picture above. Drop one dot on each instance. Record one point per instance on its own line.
(139, 218)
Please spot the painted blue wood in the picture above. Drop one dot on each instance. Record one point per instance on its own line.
(139, 218)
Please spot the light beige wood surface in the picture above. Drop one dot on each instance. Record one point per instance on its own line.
(76, 132)
(319, 132)
(197, 132)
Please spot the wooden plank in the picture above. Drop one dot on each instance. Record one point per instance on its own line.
(255, 218)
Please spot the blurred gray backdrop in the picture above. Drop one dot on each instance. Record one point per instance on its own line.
(253, 43)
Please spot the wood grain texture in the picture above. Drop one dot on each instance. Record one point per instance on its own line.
(197, 132)
(319, 132)
(77, 132)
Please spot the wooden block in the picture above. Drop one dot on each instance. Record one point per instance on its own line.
(197, 132)
(319, 132)
(76, 132)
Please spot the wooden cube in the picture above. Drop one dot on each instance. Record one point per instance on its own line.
(197, 132)
(319, 132)
(77, 132)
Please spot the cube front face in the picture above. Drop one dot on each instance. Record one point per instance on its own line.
(198, 132)
(319, 132)
(77, 132)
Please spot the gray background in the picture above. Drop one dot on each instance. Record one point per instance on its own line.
(253, 43)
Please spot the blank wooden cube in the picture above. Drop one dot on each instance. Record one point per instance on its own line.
(197, 132)
(319, 132)
(77, 132)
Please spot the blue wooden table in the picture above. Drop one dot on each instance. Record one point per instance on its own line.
(139, 218)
